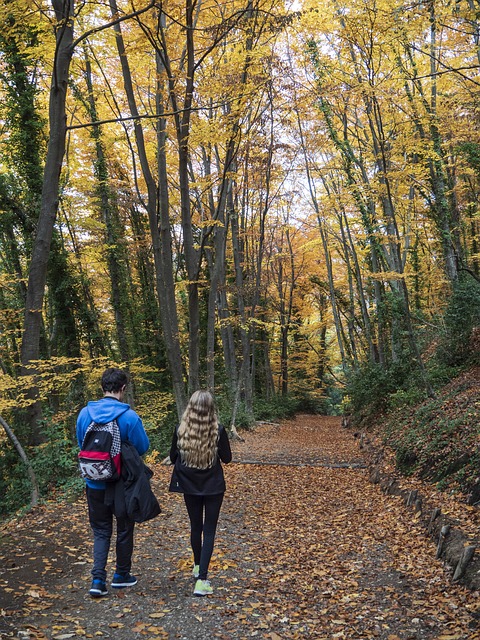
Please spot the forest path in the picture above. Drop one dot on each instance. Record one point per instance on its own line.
(306, 548)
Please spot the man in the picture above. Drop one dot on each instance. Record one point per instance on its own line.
(110, 407)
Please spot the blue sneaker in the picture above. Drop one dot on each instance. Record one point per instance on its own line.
(120, 581)
(98, 588)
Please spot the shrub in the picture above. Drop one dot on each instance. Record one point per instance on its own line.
(405, 397)
(438, 439)
(369, 388)
(276, 408)
(461, 318)
(243, 419)
(55, 461)
(406, 459)
(160, 434)
(15, 487)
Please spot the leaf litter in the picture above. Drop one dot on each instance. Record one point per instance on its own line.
(306, 547)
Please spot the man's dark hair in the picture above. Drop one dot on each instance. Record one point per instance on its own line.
(113, 380)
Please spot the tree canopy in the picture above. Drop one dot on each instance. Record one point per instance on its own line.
(257, 197)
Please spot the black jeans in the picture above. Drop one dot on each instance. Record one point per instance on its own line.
(203, 512)
(101, 521)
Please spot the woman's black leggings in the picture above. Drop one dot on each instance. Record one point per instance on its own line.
(203, 512)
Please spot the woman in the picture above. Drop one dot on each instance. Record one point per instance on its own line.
(199, 445)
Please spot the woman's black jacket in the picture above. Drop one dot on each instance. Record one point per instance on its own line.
(200, 482)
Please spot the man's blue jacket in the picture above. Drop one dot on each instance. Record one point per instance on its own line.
(129, 423)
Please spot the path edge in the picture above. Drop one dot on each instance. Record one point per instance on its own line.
(459, 551)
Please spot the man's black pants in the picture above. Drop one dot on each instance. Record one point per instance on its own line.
(101, 521)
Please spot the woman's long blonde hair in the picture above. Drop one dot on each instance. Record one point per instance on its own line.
(198, 432)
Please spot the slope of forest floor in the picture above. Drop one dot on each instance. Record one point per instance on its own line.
(438, 439)
(307, 547)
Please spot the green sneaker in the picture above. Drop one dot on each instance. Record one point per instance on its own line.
(202, 588)
(196, 571)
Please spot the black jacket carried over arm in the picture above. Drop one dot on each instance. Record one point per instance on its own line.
(132, 496)
(200, 482)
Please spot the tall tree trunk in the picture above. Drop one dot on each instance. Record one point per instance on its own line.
(160, 238)
(217, 280)
(64, 12)
(217, 275)
(356, 274)
(244, 377)
(192, 256)
(394, 240)
(150, 343)
(166, 285)
(435, 162)
(226, 328)
(285, 284)
(182, 116)
(439, 175)
(97, 340)
(326, 251)
(226, 203)
(116, 257)
(284, 330)
(366, 207)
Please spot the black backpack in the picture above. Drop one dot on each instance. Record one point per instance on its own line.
(99, 458)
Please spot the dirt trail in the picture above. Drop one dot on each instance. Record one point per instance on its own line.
(307, 548)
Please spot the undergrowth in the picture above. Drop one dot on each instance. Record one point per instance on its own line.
(439, 438)
(433, 429)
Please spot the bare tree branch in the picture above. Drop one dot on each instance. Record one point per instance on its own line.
(113, 22)
(31, 473)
